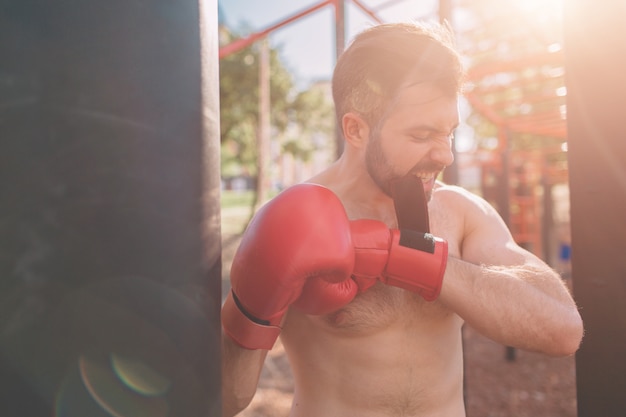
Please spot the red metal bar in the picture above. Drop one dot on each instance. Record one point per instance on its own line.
(542, 58)
(557, 132)
(484, 109)
(386, 4)
(445, 11)
(243, 42)
(340, 26)
(368, 11)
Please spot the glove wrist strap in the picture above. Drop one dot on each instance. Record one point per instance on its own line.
(245, 331)
(417, 270)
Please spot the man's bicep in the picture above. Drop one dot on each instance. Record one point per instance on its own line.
(488, 240)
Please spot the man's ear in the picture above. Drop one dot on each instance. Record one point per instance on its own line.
(355, 130)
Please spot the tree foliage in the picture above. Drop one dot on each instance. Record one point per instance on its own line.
(295, 117)
(239, 106)
(313, 115)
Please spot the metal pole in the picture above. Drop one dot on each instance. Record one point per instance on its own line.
(263, 134)
(340, 43)
(445, 11)
(451, 174)
(596, 87)
(504, 198)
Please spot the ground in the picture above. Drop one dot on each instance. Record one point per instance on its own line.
(531, 385)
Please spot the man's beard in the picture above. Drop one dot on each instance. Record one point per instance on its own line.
(381, 170)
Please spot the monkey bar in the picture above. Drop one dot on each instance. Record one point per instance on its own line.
(339, 24)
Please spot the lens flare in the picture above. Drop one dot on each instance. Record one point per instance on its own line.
(115, 397)
(139, 377)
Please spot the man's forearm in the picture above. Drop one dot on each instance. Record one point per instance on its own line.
(527, 307)
(241, 369)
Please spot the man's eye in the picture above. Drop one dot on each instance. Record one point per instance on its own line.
(422, 139)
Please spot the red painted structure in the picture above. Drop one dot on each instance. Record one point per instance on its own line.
(522, 213)
(339, 23)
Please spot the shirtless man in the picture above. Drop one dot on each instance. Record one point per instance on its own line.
(362, 341)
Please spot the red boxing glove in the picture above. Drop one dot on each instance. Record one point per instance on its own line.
(406, 259)
(297, 249)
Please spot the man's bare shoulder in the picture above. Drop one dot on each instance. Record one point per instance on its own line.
(455, 195)
(324, 178)
(473, 209)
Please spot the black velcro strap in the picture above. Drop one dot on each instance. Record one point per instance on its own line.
(248, 315)
(424, 242)
(410, 203)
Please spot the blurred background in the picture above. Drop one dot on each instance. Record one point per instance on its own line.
(277, 119)
(122, 200)
(278, 128)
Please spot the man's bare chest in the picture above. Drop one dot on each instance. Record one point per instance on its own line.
(382, 307)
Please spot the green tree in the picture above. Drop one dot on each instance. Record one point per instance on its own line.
(300, 120)
(313, 113)
(239, 106)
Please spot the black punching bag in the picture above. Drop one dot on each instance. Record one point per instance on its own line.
(109, 208)
(595, 70)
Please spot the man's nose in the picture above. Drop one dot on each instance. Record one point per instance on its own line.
(441, 152)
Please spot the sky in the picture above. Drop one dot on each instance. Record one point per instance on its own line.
(307, 45)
